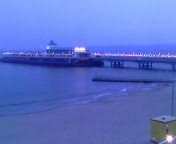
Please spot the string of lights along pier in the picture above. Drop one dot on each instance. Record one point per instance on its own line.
(81, 57)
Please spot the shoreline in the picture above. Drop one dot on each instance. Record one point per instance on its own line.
(47, 105)
(124, 119)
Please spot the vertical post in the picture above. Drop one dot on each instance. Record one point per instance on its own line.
(151, 65)
(173, 93)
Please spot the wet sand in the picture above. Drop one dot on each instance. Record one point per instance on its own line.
(111, 120)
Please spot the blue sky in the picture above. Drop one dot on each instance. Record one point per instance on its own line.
(30, 24)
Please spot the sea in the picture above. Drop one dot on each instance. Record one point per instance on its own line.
(29, 88)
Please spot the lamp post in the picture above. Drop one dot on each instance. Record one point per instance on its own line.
(173, 92)
(172, 111)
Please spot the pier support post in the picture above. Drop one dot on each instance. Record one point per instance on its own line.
(145, 65)
(117, 64)
(150, 65)
(173, 67)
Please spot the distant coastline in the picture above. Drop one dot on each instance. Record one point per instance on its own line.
(153, 48)
(124, 48)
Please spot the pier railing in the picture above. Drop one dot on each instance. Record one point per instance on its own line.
(144, 61)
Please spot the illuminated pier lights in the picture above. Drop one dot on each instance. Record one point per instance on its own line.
(144, 61)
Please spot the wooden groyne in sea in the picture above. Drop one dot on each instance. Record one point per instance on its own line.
(129, 79)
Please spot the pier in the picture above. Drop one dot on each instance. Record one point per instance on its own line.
(143, 61)
(84, 58)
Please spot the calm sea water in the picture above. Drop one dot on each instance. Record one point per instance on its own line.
(28, 88)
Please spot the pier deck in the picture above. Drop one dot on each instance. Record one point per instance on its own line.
(144, 61)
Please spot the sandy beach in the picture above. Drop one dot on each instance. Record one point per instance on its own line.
(111, 120)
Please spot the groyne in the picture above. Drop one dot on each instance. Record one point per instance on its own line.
(129, 79)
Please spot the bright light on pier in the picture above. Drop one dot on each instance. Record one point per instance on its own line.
(80, 49)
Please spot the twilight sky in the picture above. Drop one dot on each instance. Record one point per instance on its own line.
(30, 24)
